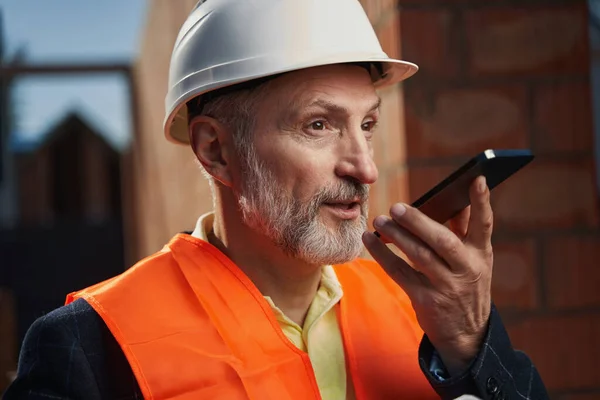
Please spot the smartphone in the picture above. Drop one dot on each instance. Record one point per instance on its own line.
(451, 196)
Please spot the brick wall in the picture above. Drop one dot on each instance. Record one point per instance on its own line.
(504, 74)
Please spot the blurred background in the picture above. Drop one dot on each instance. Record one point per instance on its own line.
(89, 185)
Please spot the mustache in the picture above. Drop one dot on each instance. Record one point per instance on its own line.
(341, 192)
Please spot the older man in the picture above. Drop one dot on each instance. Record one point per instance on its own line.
(266, 299)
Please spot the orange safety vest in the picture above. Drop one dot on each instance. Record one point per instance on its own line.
(193, 326)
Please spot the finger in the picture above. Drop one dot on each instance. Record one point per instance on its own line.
(425, 259)
(402, 273)
(460, 224)
(482, 220)
(437, 236)
(382, 237)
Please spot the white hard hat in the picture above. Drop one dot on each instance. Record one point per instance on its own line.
(225, 42)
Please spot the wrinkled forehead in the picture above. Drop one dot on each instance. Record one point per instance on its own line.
(345, 86)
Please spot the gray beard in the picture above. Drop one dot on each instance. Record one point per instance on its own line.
(295, 226)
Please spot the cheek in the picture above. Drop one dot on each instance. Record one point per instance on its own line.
(300, 165)
(311, 176)
(303, 173)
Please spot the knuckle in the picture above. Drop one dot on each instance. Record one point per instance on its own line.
(445, 241)
(423, 254)
(488, 223)
(448, 243)
(487, 195)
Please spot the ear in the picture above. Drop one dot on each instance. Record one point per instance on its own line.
(210, 141)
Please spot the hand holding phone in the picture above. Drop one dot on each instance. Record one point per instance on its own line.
(449, 278)
(451, 195)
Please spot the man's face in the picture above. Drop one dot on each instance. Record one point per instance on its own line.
(304, 182)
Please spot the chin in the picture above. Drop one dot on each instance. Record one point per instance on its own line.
(329, 252)
(342, 259)
(325, 240)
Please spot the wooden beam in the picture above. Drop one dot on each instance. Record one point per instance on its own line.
(53, 69)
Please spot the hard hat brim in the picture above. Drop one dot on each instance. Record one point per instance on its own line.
(176, 121)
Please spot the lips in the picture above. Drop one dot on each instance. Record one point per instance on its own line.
(345, 209)
(346, 202)
(343, 205)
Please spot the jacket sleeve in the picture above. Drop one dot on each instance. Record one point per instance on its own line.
(498, 372)
(52, 363)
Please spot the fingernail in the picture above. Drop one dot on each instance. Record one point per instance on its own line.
(379, 221)
(398, 210)
(482, 184)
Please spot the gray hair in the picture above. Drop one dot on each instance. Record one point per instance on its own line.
(236, 108)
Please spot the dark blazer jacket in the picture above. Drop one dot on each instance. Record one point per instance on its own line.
(70, 354)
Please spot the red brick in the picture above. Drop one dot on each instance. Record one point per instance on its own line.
(532, 40)
(565, 350)
(571, 271)
(563, 118)
(429, 40)
(547, 195)
(464, 122)
(515, 280)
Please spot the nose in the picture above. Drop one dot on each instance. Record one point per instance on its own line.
(356, 160)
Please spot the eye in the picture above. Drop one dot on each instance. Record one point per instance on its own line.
(317, 125)
(369, 126)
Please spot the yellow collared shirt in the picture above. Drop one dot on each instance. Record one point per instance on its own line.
(320, 336)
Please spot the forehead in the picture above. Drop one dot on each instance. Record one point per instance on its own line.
(347, 85)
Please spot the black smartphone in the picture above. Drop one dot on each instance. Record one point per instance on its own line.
(451, 196)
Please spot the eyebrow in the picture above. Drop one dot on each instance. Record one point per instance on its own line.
(336, 108)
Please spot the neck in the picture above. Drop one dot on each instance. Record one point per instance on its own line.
(289, 282)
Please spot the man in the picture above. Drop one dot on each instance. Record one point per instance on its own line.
(266, 299)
